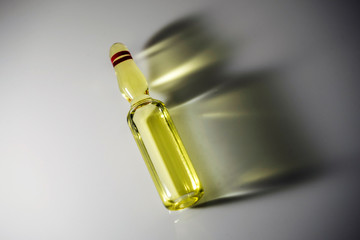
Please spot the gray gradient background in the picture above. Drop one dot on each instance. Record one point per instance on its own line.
(69, 168)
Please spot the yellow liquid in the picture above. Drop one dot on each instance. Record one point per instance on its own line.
(164, 154)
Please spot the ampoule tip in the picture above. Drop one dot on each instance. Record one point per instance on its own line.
(119, 53)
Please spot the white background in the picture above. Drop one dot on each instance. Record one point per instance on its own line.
(69, 168)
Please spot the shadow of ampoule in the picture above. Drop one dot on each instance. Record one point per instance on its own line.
(238, 129)
(241, 137)
(185, 60)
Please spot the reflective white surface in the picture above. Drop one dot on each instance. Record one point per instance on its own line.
(70, 169)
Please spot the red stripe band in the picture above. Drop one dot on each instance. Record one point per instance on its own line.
(119, 54)
(121, 60)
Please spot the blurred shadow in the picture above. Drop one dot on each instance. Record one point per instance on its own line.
(240, 131)
(271, 185)
(185, 59)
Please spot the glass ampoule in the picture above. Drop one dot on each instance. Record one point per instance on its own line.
(160, 145)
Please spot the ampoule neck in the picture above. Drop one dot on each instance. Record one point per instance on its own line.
(139, 98)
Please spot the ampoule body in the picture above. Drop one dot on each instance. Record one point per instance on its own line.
(155, 134)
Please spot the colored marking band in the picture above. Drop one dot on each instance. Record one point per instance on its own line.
(121, 60)
(119, 54)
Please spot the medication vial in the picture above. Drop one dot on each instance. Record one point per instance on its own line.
(155, 134)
